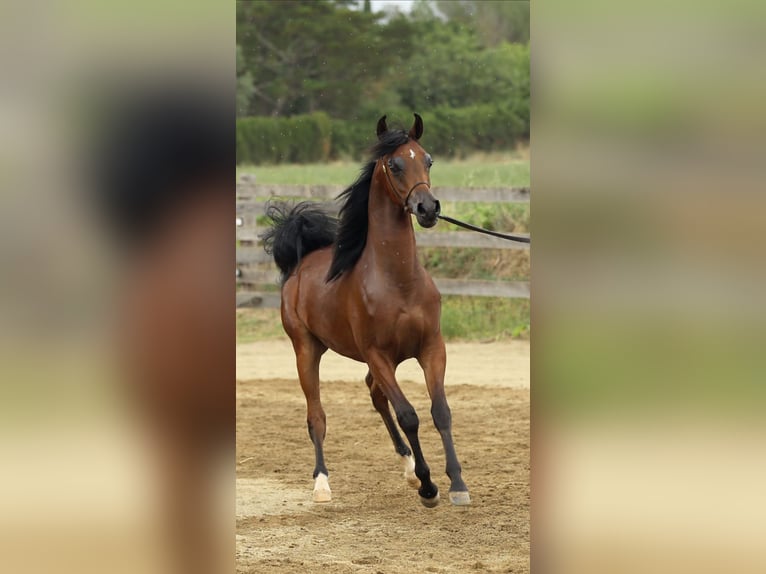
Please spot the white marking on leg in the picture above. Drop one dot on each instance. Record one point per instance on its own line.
(409, 471)
(412, 154)
(322, 489)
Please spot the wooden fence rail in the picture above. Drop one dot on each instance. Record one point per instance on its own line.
(251, 259)
(249, 191)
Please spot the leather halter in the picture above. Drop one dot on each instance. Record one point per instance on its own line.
(406, 201)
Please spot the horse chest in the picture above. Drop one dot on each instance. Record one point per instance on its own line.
(410, 321)
(403, 329)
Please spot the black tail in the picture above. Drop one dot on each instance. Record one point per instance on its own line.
(295, 232)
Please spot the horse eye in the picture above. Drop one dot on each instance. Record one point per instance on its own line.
(429, 161)
(396, 164)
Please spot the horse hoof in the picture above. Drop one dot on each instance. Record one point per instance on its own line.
(460, 498)
(430, 502)
(322, 489)
(322, 496)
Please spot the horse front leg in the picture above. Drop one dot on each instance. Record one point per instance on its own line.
(380, 402)
(383, 373)
(433, 361)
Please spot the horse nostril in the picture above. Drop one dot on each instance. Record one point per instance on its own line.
(438, 207)
(420, 209)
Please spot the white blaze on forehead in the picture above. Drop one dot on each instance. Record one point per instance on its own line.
(412, 154)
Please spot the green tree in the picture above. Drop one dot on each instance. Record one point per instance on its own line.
(310, 56)
(245, 84)
(464, 65)
(440, 76)
(450, 65)
(494, 22)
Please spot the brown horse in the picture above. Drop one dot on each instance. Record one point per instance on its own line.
(356, 286)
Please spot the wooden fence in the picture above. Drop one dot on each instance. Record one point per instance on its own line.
(257, 275)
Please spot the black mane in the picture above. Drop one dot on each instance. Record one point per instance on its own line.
(352, 231)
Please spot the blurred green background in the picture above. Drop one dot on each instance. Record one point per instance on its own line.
(648, 366)
(314, 77)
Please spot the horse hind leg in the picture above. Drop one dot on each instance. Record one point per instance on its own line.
(380, 402)
(308, 353)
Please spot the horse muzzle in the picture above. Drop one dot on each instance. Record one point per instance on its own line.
(425, 207)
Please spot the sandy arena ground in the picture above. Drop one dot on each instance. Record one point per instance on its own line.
(375, 523)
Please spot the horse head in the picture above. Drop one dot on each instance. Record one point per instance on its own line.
(407, 171)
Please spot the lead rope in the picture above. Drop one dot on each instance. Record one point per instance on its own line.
(519, 238)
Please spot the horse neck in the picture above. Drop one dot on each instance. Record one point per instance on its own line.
(390, 235)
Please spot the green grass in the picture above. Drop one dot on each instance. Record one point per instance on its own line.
(483, 173)
(510, 170)
(494, 216)
(484, 318)
(474, 263)
(258, 325)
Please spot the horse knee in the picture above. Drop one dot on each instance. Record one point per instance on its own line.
(442, 416)
(317, 426)
(379, 401)
(316, 417)
(408, 419)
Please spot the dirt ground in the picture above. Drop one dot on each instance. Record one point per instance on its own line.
(501, 364)
(375, 523)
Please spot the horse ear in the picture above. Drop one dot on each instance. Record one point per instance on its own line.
(382, 128)
(417, 128)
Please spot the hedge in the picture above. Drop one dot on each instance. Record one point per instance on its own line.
(298, 139)
(315, 137)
